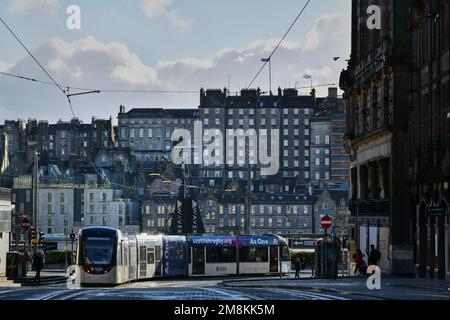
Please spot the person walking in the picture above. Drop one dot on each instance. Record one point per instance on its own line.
(359, 261)
(297, 266)
(374, 256)
(38, 265)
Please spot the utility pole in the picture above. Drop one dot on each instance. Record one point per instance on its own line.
(248, 200)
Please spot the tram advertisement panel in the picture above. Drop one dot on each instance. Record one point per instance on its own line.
(258, 241)
(174, 256)
(209, 242)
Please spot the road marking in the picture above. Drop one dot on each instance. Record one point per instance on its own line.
(234, 295)
(304, 294)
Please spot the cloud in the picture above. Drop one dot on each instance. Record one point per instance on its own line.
(5, 66)
(90, 63)
(22, 6)
(328, 27)
(154, 9)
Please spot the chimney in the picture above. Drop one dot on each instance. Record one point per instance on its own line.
(121, 109)
(332, 93)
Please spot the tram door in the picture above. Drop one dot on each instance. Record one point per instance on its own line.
(198, 260)
(142, 261)
(273, 261)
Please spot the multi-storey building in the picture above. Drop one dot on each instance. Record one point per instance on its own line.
(148, 132)
(66, 208)
(224, 213)
(280, 120)
(376, 86)
(428, 167)
(15, 131)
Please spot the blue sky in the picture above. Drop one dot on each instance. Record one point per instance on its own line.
(165, 44)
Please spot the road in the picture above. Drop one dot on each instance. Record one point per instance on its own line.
(213, 289)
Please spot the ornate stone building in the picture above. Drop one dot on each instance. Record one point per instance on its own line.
(376, 86)
(429, 140)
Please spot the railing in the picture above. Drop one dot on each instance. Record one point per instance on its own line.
(5, 194)
(370, 207)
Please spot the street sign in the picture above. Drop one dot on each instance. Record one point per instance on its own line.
(25, 224)
(325, 222)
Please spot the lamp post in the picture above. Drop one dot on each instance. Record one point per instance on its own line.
(309, 77)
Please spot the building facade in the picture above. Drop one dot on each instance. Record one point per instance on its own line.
(5, 227)
(147, 133)
(376, 85)
(286, 115)
(429, 122)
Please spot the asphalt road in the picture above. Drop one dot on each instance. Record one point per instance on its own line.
(213, 289)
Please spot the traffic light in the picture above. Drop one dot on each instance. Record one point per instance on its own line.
(41, 237)
(33, 233)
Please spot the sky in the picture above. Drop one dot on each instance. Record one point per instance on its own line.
(163, 45)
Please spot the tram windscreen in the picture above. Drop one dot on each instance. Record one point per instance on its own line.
(285, 255)
(98, 250)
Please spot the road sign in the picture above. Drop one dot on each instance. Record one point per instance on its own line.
(25, 224)
(325, 222)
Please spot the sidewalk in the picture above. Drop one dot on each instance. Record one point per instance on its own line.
(343, 285)
(48, 277)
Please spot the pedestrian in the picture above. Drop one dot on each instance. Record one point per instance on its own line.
(359, 261)
(38, 265)
(297, 266)
(374, 256)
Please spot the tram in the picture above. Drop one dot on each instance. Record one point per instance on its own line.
(106, 256)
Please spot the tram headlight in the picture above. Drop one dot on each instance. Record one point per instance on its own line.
(87, 269)
(107, 269)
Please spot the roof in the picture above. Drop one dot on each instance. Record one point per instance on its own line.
(159, 113)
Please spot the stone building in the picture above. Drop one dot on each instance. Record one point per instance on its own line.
(376, 86)
(147, 132)
(428, 168)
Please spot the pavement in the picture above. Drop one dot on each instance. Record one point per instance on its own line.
(391, 287)
(234, 288)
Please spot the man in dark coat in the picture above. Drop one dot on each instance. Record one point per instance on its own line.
(374, 256)
(297, 267)
(38, 265)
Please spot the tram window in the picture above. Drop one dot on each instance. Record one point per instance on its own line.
(253, 254)
(119, 255)
(142, 254)
(158, 253)
(150, 255)
(220, 255)
(285, 255)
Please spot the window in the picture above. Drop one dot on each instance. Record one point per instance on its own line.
(221, 255)
(62, 209)
(317, 139)
(317, 176)
(62, 197)
(261, 222)
(131, 133)
(274, 111)
(253, 254)
(296, 111)
(327, 139)
(306, 111)
(141, 132)
(49, 197)
(49, 209)
(317, 161)
(104, 197)
(150, 132)
(206, 121)
(327, 161)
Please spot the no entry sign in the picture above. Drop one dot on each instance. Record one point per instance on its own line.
(25, 224)
(325, 221)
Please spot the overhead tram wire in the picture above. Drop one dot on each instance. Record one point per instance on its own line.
(279, 43)
(67, 95)
(96, 90)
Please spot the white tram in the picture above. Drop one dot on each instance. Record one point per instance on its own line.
(106, 256)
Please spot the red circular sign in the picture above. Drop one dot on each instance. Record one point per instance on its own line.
(325, 221)
(25, 224)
